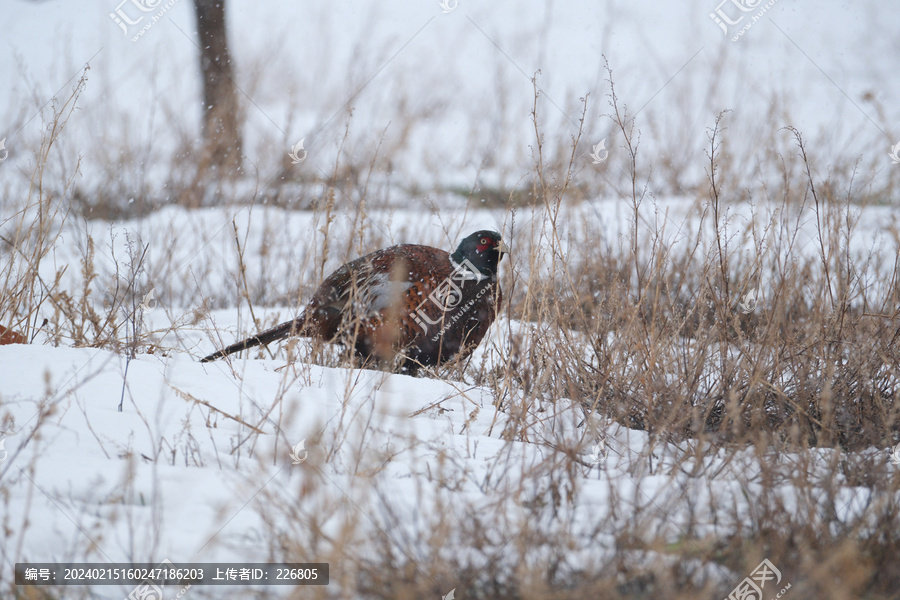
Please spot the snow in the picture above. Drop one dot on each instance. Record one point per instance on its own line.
(197, 465)
(170, 477)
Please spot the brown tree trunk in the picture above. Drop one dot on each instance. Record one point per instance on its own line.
(221, 154)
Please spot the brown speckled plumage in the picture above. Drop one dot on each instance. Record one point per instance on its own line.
(405, 306)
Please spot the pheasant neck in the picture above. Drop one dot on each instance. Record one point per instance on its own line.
(470, 271)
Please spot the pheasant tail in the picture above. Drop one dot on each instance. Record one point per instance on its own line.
(286, 329)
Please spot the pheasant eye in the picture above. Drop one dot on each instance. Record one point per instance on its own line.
(484, 241)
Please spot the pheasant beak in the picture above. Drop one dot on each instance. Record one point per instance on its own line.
(502, 248)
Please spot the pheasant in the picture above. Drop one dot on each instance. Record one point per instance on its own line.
(406, 306)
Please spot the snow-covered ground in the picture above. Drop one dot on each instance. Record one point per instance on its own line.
(197, 466)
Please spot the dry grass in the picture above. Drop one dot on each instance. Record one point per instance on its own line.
(785, 354)
(743, 339)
